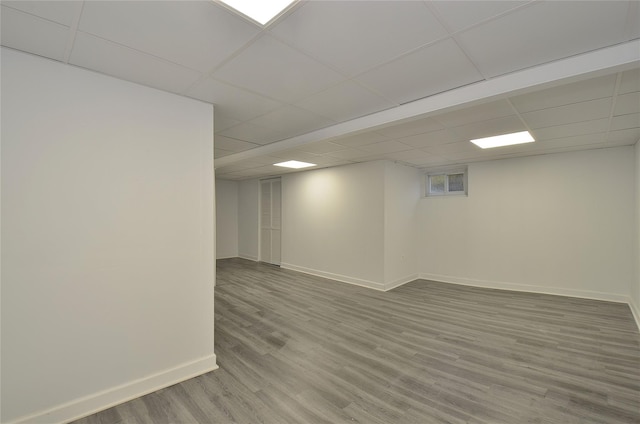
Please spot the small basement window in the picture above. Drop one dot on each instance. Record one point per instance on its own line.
(447, 183)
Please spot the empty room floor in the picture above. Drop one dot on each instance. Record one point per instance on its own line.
(294, 348)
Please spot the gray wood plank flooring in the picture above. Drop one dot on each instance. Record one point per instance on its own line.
(294, 348)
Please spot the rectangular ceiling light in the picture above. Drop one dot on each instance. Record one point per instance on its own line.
(504, 140)
(294, 164)
(261, 11)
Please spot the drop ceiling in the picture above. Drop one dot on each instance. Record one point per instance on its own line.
(338, 82)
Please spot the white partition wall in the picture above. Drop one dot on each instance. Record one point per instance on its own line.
(107, 240)
(635, 287)
(333, 223)
(560, 224)
(401, 197)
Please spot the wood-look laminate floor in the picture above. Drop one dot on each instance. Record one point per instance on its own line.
(294, 348)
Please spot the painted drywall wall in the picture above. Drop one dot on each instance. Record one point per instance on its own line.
(401, 197)
(635, 286)
(556, 223)
(333, 223)
(248, 216)
(107, 240)
(226, 219)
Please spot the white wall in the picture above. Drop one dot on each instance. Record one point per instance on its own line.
(226, 219)
(635, 286)
(333, 223)
(248, 211)
(107, 239)
(556, 223)
(401, 197)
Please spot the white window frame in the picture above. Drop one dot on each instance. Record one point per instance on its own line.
(446, 173)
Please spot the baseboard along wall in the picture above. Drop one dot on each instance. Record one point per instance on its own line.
(497, 285)
(96, 402)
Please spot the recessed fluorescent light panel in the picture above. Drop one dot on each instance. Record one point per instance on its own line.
(261, 11)
(504, 140)
(294, 164)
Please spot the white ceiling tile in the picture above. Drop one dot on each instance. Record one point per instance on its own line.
(332, 164)
(28, 33)
(266, 160)
(633, 20)
(61, 12)
(624, 137)
(430, 70)
(458, 15)
(630, 81)
(226, 143)
(577, 112)
(221, 123)
(234, 176)
(353, 36)
(253, 133)
(345, 101)
(426, 161)
(195, 34)
(249, 164)
(232, 102)
(570, 130)
(543, 32)
(236, 167)
(585, 140)
(624, 122)
(321, 147)
(551, 150)
(409, 128)
(363, 139)
(122, 62)
(450, 148)
(578, 140)
(627, 103)
(348, 154)
(430, 139)
(321, 159)
(292, 121)
(385, 147)
(498, 126)
(582, 91)
(371, 157)
(273, 69)
(414, 156)
(492, 110)
(468, 156)
(297, 154)
(220, 153)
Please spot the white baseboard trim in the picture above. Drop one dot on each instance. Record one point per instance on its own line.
(558, 291)
(342, 278)
(393, 284)
(227, 257)
(635, 310)
(249, 257)
(91, 404)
